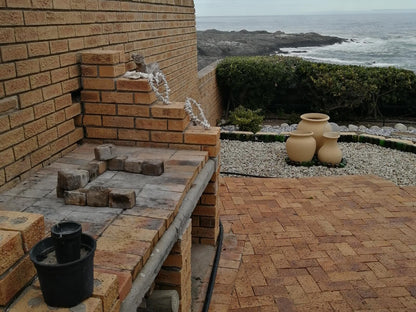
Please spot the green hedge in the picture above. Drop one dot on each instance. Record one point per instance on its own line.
(289, 84)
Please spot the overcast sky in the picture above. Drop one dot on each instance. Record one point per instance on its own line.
(284, 7)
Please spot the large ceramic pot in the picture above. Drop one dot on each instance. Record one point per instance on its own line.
(316, 123)
(330, 152)
(300, 146)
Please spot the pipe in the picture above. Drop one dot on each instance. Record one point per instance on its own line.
(163, 247)
(211, 284)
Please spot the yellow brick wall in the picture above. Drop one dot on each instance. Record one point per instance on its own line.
(40, 47)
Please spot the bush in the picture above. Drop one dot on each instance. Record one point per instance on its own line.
(290, 84)
(246, 119)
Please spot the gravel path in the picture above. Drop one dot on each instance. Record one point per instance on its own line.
(268, 160)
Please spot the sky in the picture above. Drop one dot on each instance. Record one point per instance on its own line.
(294, 7)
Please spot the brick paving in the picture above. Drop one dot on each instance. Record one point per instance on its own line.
(316, 244)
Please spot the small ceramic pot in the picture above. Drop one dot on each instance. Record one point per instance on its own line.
(330, 152)
(300, 146)
(316, 123)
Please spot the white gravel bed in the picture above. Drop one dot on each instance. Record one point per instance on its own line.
(268, 160)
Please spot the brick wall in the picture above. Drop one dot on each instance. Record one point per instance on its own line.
(209, 95)
(40, 46)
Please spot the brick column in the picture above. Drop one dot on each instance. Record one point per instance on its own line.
(176, 270)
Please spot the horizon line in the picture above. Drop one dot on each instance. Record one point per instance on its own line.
(377, 11)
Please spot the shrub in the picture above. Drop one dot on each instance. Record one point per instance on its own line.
(290, 84)
(246, 119)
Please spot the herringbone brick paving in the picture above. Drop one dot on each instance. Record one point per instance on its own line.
(316, 244)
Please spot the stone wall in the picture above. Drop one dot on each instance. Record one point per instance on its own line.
(41, 44)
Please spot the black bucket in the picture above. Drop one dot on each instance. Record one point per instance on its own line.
(65, 285)
(67, 240)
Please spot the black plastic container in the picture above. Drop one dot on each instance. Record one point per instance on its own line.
(67, 241)
(65, 285)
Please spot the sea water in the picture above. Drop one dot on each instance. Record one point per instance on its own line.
(374, 39)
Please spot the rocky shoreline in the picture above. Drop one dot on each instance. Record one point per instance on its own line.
(214, 44)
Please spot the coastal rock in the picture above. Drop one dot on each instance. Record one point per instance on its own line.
(214, 44)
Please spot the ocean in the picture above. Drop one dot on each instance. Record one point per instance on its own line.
(374, 39)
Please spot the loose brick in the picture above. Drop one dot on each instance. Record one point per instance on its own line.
(153, 167)
(97, 196)
(77, 197)
(30, 226)
(117, 163)
(18, 276)
(70, 180)
(9, 103)
(121, 198)
(105, 152)
(11, 249)
(133, 165)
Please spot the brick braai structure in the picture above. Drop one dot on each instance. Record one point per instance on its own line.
(61, 85)
(124, 111)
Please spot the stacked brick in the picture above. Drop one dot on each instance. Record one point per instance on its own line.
(40, 72)
(123, 111)
(176, 270)
(19, 232)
